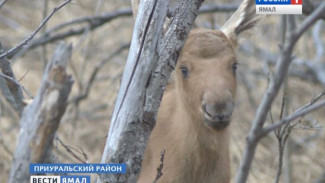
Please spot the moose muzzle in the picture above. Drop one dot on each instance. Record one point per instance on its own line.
(217, 114)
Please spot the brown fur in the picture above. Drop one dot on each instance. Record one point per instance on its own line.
(195, 152)
(195, 110)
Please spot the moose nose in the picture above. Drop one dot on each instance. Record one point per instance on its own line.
(218, 114)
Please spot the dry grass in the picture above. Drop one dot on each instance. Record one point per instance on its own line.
(86, 127)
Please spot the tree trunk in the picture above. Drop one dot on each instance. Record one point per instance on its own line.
(41, 118)
(151, 59)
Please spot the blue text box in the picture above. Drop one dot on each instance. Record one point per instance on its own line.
(273, 2)
(75, 179)
(77, 168)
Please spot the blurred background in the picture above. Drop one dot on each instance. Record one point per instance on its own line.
(100, 49)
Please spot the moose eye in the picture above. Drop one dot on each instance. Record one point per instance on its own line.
(234, 67)
(184, 71)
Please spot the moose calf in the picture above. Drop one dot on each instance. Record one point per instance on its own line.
(196, 109)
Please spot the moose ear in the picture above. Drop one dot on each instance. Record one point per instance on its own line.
(244, 18)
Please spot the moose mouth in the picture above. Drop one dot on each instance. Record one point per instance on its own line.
(217, 124)
(217, 121)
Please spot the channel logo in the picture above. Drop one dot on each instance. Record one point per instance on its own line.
(60, 179)
(278, 6)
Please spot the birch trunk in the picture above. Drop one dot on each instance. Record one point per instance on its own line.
(151, 60)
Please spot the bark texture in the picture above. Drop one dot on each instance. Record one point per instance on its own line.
(152, 57)
(41, 118)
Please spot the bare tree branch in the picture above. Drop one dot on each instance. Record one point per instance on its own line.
(70, 151)
(96, 21)
(93, 21)
(106, 17)
(320, 51)
(18, 84)
(94, 73)
(2, 3)
(41, 118)
(5, 146)
(310, 107)
(321, 179)
(280, 72)
(43, 30)
(284, 131)
(210, 8)
(307, 70)
(9, 101)
(309, 6)
(311, 70)
(13, 86)
(13, 50)
(310, 20)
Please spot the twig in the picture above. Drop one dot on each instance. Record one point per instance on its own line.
(318, 41)
(84, 154)
(12, 90)
(303, 69)
(282, 133)
(88, 37)
(161, 165)
(128, 12)
(6, 99)
(25, 42)
(2, 3)
(314, 100)
(281, 71)
(99, 20)
(210, 8)
(23, 76)
(68, 149)
(287, 169)
(44, 14)
(18, 84)
(5, 147)
(300, 68)
(311, 19)
(298, 113)
(94, 22)
(308, 7)
(93, 75)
